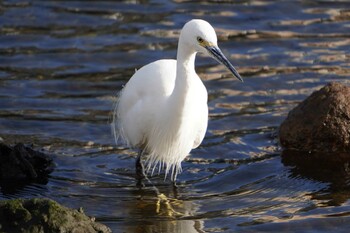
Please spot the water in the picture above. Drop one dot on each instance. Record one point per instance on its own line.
(62, 63)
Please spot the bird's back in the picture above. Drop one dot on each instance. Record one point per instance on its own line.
(141, 98)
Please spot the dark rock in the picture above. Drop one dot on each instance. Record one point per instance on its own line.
(320, 123)
(23, 163)
(44, 215)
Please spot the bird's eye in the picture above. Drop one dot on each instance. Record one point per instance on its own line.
(200, 39)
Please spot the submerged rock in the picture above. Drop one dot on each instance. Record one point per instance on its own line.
(319, 123)
(44, 215)
(21, 162)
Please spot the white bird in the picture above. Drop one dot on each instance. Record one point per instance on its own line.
(162, 110)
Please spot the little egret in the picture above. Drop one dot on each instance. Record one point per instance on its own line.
(162, 110)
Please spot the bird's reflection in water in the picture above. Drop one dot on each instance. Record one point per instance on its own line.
(160, 210)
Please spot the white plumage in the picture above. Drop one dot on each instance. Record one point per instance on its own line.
(162, 110)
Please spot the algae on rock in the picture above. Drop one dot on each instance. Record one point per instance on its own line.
(41, 215)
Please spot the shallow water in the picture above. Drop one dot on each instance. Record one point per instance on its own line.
(62, 63)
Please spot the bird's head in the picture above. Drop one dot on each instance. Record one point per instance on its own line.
(201, 36)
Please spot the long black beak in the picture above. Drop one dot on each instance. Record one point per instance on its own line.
(216, 53)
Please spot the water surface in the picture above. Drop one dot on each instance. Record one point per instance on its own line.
(62, 63)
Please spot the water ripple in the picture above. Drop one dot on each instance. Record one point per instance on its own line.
(62, 63)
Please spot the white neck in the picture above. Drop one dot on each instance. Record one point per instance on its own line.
(185, 74)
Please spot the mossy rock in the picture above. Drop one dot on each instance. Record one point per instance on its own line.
(40, 215)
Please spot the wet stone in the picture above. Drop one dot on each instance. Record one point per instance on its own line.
(320, 123)
(22, 162)
(44, 215)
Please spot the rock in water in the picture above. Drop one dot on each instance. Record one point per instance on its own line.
(44, 215)
(23, 163)
(319, 123)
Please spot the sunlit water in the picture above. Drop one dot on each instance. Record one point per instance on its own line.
(62, 63)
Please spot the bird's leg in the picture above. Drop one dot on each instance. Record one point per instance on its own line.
(175, 189)
(173, 180)
(140, 171)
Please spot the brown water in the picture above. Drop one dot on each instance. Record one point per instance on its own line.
(62, 63)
